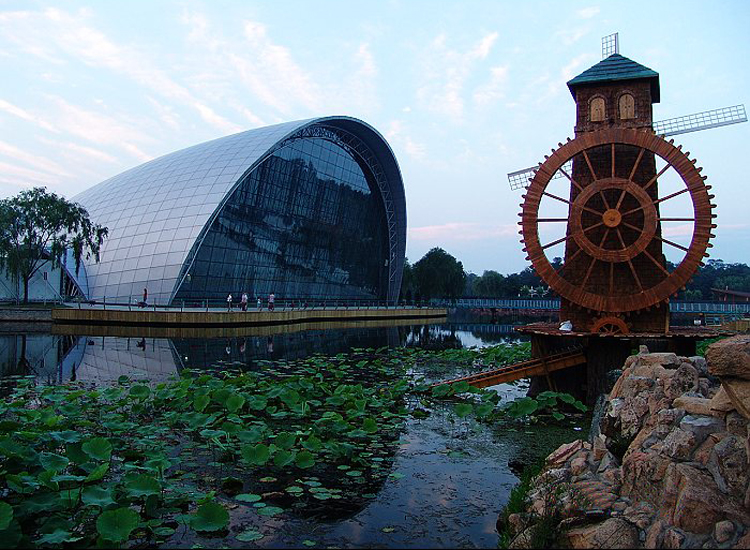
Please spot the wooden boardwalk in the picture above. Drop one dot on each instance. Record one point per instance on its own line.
(524, 369)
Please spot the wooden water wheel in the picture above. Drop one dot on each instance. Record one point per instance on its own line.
(614, 221)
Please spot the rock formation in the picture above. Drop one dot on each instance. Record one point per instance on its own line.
(668, 467)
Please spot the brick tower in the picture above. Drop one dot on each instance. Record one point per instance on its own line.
(615, 93)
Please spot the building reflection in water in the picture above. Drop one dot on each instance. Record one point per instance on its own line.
(106, 353)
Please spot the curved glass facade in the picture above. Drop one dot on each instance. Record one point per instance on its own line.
(305, 224)
(309, 210)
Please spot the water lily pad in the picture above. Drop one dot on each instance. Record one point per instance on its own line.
(248, 497)
(116, 525)
(99, 448)
(285, 440)
(6, 515)
(53, 462)
(354, 473)
(210, 516)
(250, 535)
(305, 459)
(270, 511)
(267, 479)
(256, 454)
(142, 485)
(97, 496)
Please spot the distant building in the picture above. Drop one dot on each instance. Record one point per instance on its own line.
(731, 296)
(308, 210)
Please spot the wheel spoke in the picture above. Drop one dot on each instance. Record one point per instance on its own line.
(558, 241)
(657, 176)
(630, 262)
(593, 259)
(635, 165)
(550, 195)
(670, 243)
(658, 264)
(657, 201)
(619, 201)
(604, 199)
(574, 182)
(613, 161)
(631, 226)
(588, 162)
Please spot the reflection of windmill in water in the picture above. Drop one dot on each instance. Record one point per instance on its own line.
(609, 202)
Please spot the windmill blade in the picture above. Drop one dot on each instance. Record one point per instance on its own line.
(701, 121)
(521, 178)
(704, 120)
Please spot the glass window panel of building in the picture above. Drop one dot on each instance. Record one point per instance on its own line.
(297, 227)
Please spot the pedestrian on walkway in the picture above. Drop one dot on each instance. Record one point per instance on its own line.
(243, 301)
(229, 302)
(260, 303)
(271, 299)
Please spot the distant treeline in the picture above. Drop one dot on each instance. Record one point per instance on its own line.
(440, 275)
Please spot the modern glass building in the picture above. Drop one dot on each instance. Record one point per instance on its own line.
(308, 210)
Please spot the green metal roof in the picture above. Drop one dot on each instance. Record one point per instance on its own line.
(616, 67)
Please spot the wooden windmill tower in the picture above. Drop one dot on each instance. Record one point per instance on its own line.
(614, 282)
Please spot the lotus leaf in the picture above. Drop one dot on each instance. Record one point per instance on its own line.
(116, 525)
(53, 462)
(210, 516)
(99, 448)
(256, 454)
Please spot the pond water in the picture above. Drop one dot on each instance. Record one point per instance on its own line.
(448, 477)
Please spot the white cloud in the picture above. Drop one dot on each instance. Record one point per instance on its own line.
(36, 162)
(98, 127)
(446, 72)
(462, 231)
(493, 90)
(398, 137)
(588, 13)
(67, 33)
(25, 115)
(25, 176)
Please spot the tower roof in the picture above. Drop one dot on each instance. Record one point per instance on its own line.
(616, 67)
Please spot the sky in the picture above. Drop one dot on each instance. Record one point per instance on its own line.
(464, 92)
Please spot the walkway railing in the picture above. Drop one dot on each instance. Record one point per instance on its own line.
(553, 304)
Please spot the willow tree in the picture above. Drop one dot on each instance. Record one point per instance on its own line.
(37, 227)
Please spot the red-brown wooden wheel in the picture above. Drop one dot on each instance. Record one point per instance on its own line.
(631, 209)
(610, 325)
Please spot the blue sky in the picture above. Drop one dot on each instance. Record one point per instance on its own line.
(463, 91)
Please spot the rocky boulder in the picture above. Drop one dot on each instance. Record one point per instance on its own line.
(730, 357)
(669, 465)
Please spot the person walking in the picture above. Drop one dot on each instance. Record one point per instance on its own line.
(271, 299)
(229, 302)
(145, 297)
(260, 303)
(243, 301)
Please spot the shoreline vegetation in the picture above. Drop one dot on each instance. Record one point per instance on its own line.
(166, 464)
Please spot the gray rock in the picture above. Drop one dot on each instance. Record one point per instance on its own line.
(700, 364)
(685, 379)
(701, 426)
(680, 444)
(723, 531)
(728, 466)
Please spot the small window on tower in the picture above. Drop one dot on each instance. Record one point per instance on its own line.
(598, 109)
(627, 107)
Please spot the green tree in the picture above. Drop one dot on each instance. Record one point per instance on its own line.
(439, 275)
(491, 285)
(38, 227)
(408, 285)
